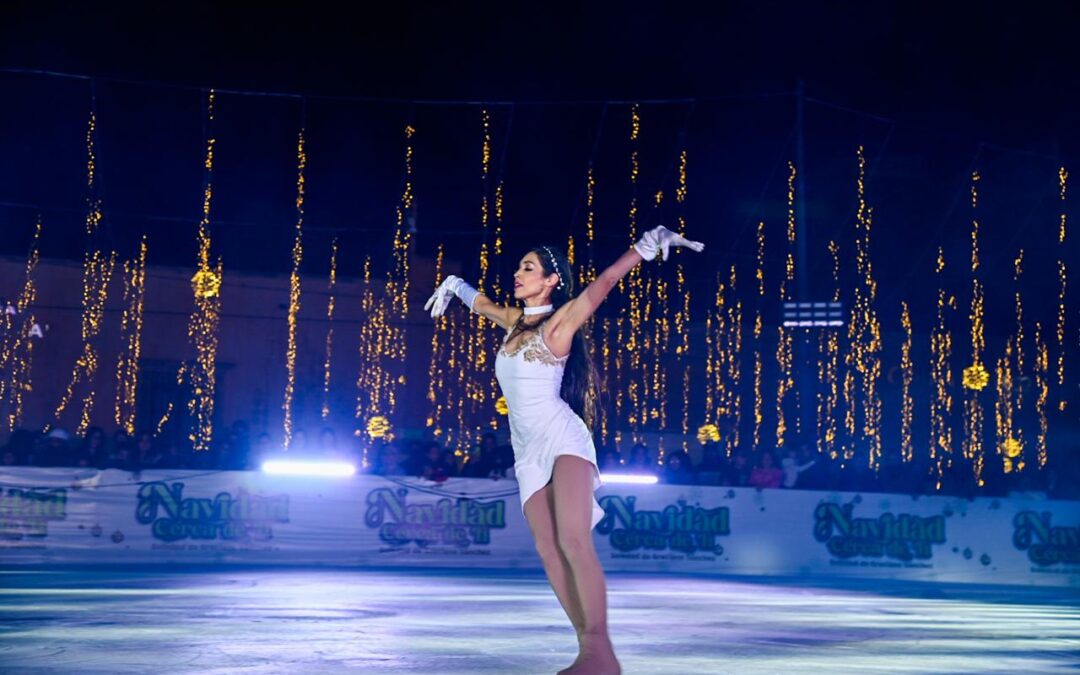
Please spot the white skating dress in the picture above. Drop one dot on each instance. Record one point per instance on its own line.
(542, 424)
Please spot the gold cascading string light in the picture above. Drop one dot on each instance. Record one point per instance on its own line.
(497, 293)
(907, 370)
(294, 291)
(131, 322)
(479, 380)
(382, 345)
(626, 341)
(205, 316)
(784, 344)
(329, 329)
(733, 351)
(1042, 392)
(864, 329)
(1012, 446)
(759, 274)
(437, 366)
(1009, 445)
(828, 356)
(682, 317)
(941, 402)
(588, 271)
(976, 376)
(97, 271)
(636, 287)
(716, 368)
(1062, 178)
(17, 349)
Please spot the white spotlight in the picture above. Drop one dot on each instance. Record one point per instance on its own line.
(307, 468)
(636, 479)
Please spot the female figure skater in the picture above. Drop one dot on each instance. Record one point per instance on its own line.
(545, 373)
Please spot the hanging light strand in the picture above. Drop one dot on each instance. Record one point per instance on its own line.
(828, 355)
(1062, 178)
(294, 291)
(205, 317)
(941, 401)
(784, 343)
(907, 370)
(1042, 393)
(759, 274)
(131, 322)
(864, 330)
(330, 287)
(976, 376)
(16, 352)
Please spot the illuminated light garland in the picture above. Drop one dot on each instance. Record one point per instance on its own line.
(294, 292)
(205, 317)
(759, 274)
(635, 380)
(1062, 178)
(485, 204)
(605, 361)
(498, 295)
(1042, 392)
(330, 329)
(864, 330)
(733, 350)
(499, 199)
(181, 375)
(784, 344)
(382, 343)
(437, 394)
(975, 376)
(93, 216)
(97, 271)
(907, 368)
(1018, 267)
(1005, 424)
(682, 317)
(941, 401)
(131, 323)
(828, 357)
(17, 348)
(1009, 444)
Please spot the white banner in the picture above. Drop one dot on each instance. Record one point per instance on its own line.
(79, 516)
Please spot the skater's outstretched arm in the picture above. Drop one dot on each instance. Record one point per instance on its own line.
(473, 299)
(577, 311)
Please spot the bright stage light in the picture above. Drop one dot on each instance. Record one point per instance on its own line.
(307, 468)
(636, 479)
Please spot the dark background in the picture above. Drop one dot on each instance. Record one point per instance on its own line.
(933, 91)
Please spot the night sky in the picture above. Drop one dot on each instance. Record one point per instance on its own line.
(932, 93)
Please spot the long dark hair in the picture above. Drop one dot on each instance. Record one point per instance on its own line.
(580, 381)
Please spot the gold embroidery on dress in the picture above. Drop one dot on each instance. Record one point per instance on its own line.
(538, 353)
(520, 345)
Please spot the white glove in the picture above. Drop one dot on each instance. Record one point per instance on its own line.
(659, 239)
(450, 287)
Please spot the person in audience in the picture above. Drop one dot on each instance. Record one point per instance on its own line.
(710, 471)
(677, 469)
(641, 460)
(737, 471)
(766, 474)
(146, 455)
(792, 467)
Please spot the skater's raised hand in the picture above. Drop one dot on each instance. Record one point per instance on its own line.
(660, 239)
(451, 286)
